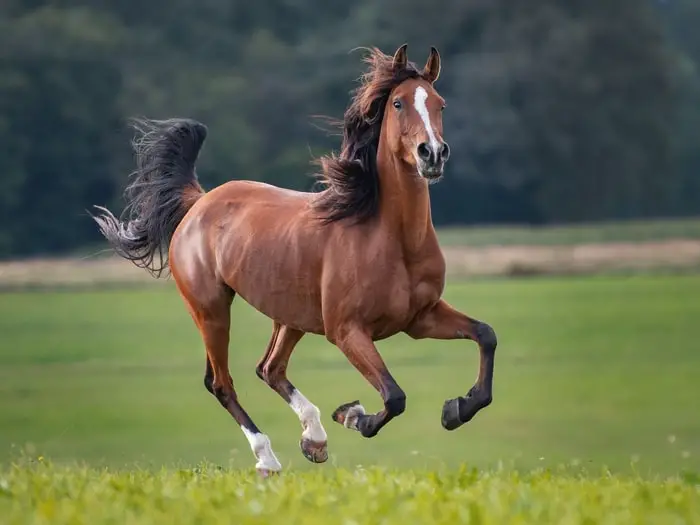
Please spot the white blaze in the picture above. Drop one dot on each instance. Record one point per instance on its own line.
(310, 417)
(419, 101)
(260, 444)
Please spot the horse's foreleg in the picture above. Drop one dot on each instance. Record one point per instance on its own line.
(272, 369)
(359, 348)
(444, 322)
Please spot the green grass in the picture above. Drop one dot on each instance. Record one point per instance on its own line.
(594, 369)
(594, 373)
(601, 232)
(48, 495)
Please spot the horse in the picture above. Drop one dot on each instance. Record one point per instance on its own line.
(356, 262)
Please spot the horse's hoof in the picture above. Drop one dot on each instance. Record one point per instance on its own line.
(313, 451)
(266, 473)
(450, 414)
(348, 414)
(456, 412)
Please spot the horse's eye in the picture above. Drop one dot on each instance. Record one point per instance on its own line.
(442, 108)
(397, 104)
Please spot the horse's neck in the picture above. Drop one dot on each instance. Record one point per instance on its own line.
(404, 203)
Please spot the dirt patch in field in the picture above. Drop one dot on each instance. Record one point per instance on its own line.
(462, 261)
(575, 259)
(71, 272)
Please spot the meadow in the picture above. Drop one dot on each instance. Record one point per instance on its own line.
(103, 412)
(45, 494)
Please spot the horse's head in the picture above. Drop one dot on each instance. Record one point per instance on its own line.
(413, 118)
(395, 112)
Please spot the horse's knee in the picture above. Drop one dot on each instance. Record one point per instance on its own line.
(396, 403)
(486, 337)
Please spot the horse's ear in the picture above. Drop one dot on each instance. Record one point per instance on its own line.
(400, 57)
(431, 71)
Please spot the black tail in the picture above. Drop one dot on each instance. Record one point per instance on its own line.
(163, 189)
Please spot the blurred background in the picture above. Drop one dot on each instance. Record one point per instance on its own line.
(568, 217)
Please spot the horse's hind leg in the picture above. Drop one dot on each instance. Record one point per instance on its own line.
(272, 369)
(213, 318)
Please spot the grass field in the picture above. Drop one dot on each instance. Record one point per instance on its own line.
(592, 373)
(47, 495)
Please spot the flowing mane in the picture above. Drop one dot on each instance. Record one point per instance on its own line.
(351, 179)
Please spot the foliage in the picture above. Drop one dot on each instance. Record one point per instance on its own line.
(557, 111)
(40, 492)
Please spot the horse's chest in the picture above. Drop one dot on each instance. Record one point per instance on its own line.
(424, 293)
(405, 296)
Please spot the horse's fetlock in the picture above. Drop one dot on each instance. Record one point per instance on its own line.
(311, 412)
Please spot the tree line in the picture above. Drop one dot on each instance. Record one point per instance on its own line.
(558, 110)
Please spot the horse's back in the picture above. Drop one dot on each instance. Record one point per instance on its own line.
(252, 192)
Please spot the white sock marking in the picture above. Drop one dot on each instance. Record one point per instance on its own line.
(419, 102)
(260, 444)
(310, 417)
(352, 416)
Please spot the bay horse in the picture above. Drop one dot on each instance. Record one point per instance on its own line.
(357, 262)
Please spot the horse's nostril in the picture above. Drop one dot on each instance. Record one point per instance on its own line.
(423, 151)
(445, 152)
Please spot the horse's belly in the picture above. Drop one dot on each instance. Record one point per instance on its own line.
(300, 311)
(275, 295)
(278, 286)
